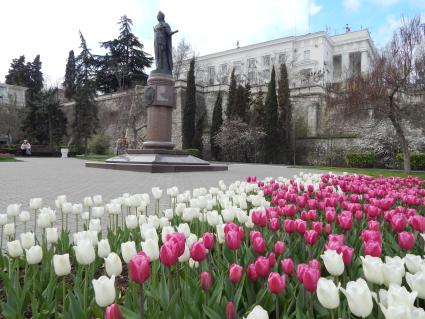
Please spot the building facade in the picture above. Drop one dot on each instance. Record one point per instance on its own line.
(12, 100)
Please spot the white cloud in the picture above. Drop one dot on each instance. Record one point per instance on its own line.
(50, 28)
(352, 5)
(385, 3)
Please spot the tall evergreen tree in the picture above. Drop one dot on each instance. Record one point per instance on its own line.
(217, 122)
(124, 64)
(231, 97)
(189, 108)
(85, 111)
(285, 113)
(258, 117)
(271, 127)
(70, 82)
(55, 118)
(199, 131)
(18, 73)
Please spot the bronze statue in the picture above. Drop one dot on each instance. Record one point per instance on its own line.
(163, 46)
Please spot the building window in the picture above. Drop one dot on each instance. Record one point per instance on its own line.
(223, 68)
(251, 63)
(266, 60)
(266, 75)
(307, 55)
(282, 58)
(337, 68)
(305, 75)
(251, 76)
(211, 75)
(237, 67)
(355, 62)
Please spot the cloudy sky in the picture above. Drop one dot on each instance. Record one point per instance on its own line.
(50, 27)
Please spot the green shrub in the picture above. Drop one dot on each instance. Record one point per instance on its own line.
(99, 144)
(417, 160)
(360, 159)
(192, 151)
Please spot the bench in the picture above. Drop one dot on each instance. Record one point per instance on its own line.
(38, 150)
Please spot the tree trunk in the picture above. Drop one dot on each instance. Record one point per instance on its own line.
(403, 141)
(85, 147)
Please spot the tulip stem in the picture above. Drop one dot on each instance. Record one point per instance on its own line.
(63, 294)
(85, 287)
(62, 218)
(66, 225)
(76, 223)
(1, 241)
(35, 223)
(142, 303)
(277, 307)
(169, 283)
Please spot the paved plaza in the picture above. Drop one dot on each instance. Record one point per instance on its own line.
(50, 177)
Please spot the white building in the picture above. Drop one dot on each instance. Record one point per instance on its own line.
(312, 58)
(12, 95)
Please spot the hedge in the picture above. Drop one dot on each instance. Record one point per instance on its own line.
(360, 159)
(417, 160)
(192, 151)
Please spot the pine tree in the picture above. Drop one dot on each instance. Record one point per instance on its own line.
(285, 113)
(217, 122)
(258, 118)
(271, 126)
(18, 72)
(231, 100)
(85, 111)
(199, 131)
(124, 65)
(55, 118)
(70, 76)
(189, 109)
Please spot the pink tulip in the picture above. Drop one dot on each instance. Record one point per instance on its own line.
(311, 237)
(300, 226)
(259, 245)
(373, 235)
(345, 220)
(113, 312)
(315, 263)
(279, 248)
(347, 254)
(251, 272)
(262, 266)
(398, 222)
(276, 283)
(373, 225)
(372, 248)
(259, 219)
(317, 226)
(198, 251)
(233, 240)
(289, 225)
(139, 268)
(301, 268)
(230, 310)
(253, 234)
(168, 254)
(208, 239)
(310, 278)
(272, 260)
(179, 240)
(287, 265)
(205, 280)
(274, 224)
(235, 273)
(328, 229)
(417, 222)
(406, 240)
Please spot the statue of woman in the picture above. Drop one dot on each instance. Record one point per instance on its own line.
(163, 46)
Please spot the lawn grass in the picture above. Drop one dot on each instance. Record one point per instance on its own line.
(367, 171)
(95, 157)
(8, 159)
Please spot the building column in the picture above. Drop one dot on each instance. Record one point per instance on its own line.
(345, 66)
(364, 62)
(312, 119)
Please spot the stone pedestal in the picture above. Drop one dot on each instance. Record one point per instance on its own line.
(158, 154)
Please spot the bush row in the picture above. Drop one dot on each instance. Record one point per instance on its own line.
(368, 160)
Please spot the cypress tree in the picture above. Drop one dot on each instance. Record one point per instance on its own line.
(285, 113)
(231, 100)
(18, 72)
(199, 130)
(258, 118)
(70, 76)
(271, 125)
(217, 121)
(189, 109)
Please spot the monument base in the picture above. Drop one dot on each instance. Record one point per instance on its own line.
(157, 161)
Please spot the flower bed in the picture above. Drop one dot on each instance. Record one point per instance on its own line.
(257, 249)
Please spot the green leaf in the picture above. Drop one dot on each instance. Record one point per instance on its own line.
(211, 313)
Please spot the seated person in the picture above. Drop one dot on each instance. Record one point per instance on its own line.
(26, 148)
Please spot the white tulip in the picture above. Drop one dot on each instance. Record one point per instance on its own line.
(333, 262)
(393, 270)
(27, 240)
(85, 216)
(151, 233)
(167, 230)
(172, 191)
(128, 250)
(61, 199)
(418, 313)
(34, 255)
(191, 240)
(242, 216)
(258, 313)
(220, 234)
(97, 211)
(168, 213)
(36, 203)
(113, 208)
(143, 219)
(131, 221)
(327, 293)
(188, 214)
(89, 235)
(62, 265)
(3, 219)
(398, 296)
(396, 312)
(113, 265)
(180, 208)
(24, 216)
(84, 252)
(88, 202)
(9, 229)
(13, 210)
(163, 221)
(228, 215)
(95, 225)
(156, 192)
(184, 229)
(14, 248)
(193, 263)
(416, 282)
(359, 298)
(212, 218)
(52, 235)
(154, 221)
(186, 255)
(372, 269)
(77, 209)
(97, 200)
(151, 249)
(103, 248)
(104, 290)
(44, 219)
(67, 208)
(413, 263)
